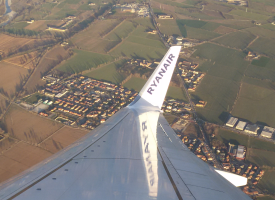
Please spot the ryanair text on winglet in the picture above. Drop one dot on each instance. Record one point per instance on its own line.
(163, 70)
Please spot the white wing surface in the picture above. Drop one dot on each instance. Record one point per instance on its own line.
(134, 155)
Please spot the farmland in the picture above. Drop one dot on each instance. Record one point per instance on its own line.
(84, 60)
(97, 30)
(53, 55)
(11, 76)
(248, 15)
(238, 40)
(135, 83)
(63, 138)
(108, 73)
(224, 69)
(262, 69)
(200, 34)
(25, 60)
(9, 42)
(255, 103)
(19, 158)
(41, 25)
(28, 127)
(264, 46)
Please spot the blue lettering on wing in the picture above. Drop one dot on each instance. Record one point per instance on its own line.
(162, 72)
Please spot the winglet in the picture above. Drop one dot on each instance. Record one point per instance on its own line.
(154, 91)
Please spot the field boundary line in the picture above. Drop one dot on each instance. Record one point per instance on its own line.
(38, 144)
(252, 41)
(123, 39)
(113, 29)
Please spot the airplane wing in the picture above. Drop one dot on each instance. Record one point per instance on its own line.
(134, 155)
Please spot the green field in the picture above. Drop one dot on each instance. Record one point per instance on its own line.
(220, 55)
(264, 46)
(256, 102)
(135, 83)
(268, 181)
(258, 145)
(176, 93)
(200, 34)
(191, 23)
(33, 98)
(169, 27)
(263, 69)
(265, 198)
(262, 62)
(108, 73)
(262, 32)
(261, 157)
(84, 60)
(120, 32)
(249, 15)
(17, 25)
(224, 69)
(238, 40)
(220, 94)
(136, 50)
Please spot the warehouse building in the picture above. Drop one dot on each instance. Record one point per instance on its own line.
(241, 125)
(267, 132)
(232, 121)
(252, 129)
(240, 152)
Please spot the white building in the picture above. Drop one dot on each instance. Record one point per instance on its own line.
(267, 132)
(232, 122)
(241, 125)
(252, 129)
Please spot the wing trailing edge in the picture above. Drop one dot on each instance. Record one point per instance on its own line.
(155, 89)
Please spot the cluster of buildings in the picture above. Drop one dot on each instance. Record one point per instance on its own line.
(181, 41)
(142, 63)
(165, 16)
(142, 10)
(191, 77)
(237, 2)
(88, 101)
(252, 56)
(175, 107)
(237, 151)
(253, 129)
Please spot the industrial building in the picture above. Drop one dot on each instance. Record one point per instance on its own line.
(240, 152)
(252, 129)
(267, 132)
(232, 122)
(241, 125)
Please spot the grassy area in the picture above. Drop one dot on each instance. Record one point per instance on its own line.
(262, 69)
(191, 23)
(224, 69)
(261, 157)
(136, 50)
(169, 27)
(249, 15)
(108, 73)
(264, 46)
(262, 32)
(200, 34)
(255, 144)
(262, 62)
(256, 103)
(121, 31)
(238, 40)
(135, 83)
(220, 94)
(268, 181)
(33, 98)
(17, 25)
(265, 198)
(176, 93)
(84, 60)
(220, 55)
